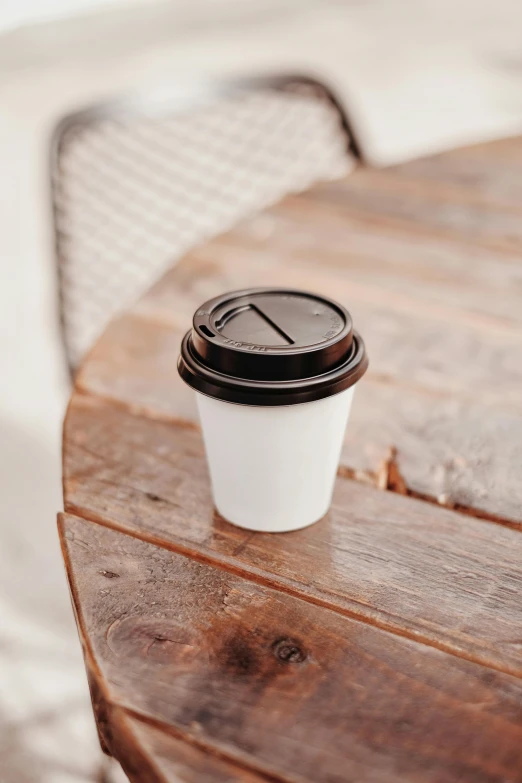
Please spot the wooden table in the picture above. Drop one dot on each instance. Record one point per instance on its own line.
(384, 643)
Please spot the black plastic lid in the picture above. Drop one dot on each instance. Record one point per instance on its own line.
(271, 346)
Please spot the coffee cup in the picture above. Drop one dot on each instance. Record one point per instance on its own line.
(274, 371)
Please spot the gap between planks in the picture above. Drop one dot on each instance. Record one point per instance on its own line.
(328, 195)
(397, 225)
(393, 179)
(174, 731)
(387, 478)
(372, 294)
(383, 622)
(390, 479)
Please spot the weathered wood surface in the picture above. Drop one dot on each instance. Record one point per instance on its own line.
(177, 760)
(385, 256)
(487, 172)
(450, 211)
(382, 644)
(150, 754)
(279, 686)
(411, 567)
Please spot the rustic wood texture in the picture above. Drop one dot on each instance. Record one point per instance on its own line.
(277, 685)
(382, 644)
(174, 759)
(420, 207)
(487, 172)
(378, 555)
(153, 755)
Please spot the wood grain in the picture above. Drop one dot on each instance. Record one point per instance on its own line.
(449, 212)
(151, 754)
(483, 283)
(490, 172)
(414, 568)
(289, 689)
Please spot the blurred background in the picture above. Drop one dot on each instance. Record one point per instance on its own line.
(417, 77)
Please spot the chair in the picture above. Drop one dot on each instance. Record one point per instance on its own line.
(138, 181)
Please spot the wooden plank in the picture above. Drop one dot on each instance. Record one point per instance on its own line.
(458, 453)
(408, 566)
(151, 754)
(279, 685)
(135, 363)
(378, 195)
(491, 172)
(429, 268)
(462, 448)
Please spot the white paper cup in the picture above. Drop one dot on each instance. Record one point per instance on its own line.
(274, 372)
(273, 469)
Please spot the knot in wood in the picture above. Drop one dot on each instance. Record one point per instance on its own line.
(288, 651)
